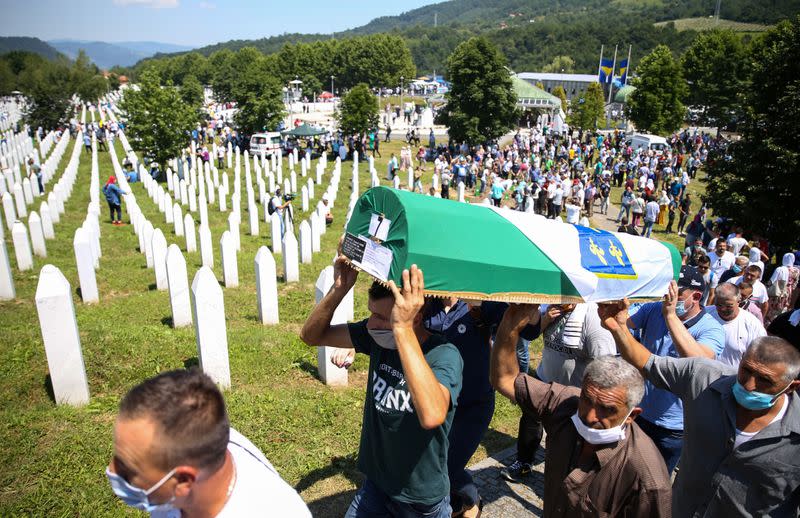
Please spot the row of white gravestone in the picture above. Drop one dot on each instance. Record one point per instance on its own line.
(31, 240)
(62, 342)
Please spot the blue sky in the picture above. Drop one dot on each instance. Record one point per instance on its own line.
(187, 22)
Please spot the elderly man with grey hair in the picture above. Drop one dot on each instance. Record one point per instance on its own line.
(741, 451)
(598, 461)
(741, 327)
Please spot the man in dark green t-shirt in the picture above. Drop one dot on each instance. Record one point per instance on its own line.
(413, 385)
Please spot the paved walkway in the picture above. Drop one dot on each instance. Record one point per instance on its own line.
(503, 499)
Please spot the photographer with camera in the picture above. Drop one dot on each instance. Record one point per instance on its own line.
(278, 203)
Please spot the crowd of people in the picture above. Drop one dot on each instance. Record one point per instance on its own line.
(686, 406)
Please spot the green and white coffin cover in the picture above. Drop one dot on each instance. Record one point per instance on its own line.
(486, 253)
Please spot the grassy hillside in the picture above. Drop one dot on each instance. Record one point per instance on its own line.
(708, 23)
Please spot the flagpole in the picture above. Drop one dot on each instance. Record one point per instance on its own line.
(611, 82)
(628, 69)
(600, 64)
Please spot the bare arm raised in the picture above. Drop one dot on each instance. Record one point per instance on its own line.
(318, 329)
(431, 398)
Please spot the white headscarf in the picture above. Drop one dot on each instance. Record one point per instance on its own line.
(781, 273)
(755, 258)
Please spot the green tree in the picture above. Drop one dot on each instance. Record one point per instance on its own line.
(656, 106)
(754, 180)
(481, 103)
(715, 68)
(358, 111)
(559, 92)
(113, 81)
(192, 92)
(87, 82)
(312, 87)
(158, 119)
(48, 89)
(589, 108)
(560, 65)
(260, 109)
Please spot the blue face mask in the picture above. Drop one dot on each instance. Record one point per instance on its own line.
(680, 308)
(736, 268)
(139, 498)
(755, 400)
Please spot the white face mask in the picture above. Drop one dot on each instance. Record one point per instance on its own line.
(384, 338)
(599, 436)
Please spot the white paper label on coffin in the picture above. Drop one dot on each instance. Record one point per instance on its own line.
(371, 257)
(379, 227)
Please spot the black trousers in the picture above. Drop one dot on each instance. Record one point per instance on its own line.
(112, 207)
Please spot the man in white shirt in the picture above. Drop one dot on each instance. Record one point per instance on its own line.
(736, 243)
(721, 259)
(175, 455)
(573, 211)
(741, 327)
(751, 274)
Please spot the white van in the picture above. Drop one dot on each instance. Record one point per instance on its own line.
(647, 142)
(268, 143)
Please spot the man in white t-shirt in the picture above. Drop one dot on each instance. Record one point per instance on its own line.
(175, 455)
(736, 243)
(751, 274)
(721, 259)
(573, 211)
(741, 327)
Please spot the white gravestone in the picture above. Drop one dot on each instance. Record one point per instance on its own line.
(266, 286)
(230, 268)
(316, 231)
(206, 249)
(177, 219)
(252, 216)
(159, 246)
(7, 291)
(233, 227)
(22, 246)
(19, 201)
(178, 282)
(9, 211)
(189, 233)
(208, 312)
(330, 373)
(37, 234)
(291, 267)
(275, 232)
(305, 242)
(84, 258)
(221, 197)
(47, 222)
(147, 236)
(62, 342)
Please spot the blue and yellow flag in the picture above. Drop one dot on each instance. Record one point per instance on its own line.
(606, 70)
(623, 71)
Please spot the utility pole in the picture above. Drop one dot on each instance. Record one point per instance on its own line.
(716, 12)
(436, 18)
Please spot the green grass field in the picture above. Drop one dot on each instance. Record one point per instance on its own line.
(708, 23)
(53, 457)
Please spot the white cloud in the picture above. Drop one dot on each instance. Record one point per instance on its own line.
(153, 4)
(207, 5)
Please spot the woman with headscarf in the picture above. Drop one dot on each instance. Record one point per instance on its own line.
(113, 196)
(781, 287)
(755, 258)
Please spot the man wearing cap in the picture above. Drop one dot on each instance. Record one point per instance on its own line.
(677, 327)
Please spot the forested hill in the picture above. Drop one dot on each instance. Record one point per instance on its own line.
(35, 45)
(489, 14)
(533, 33)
